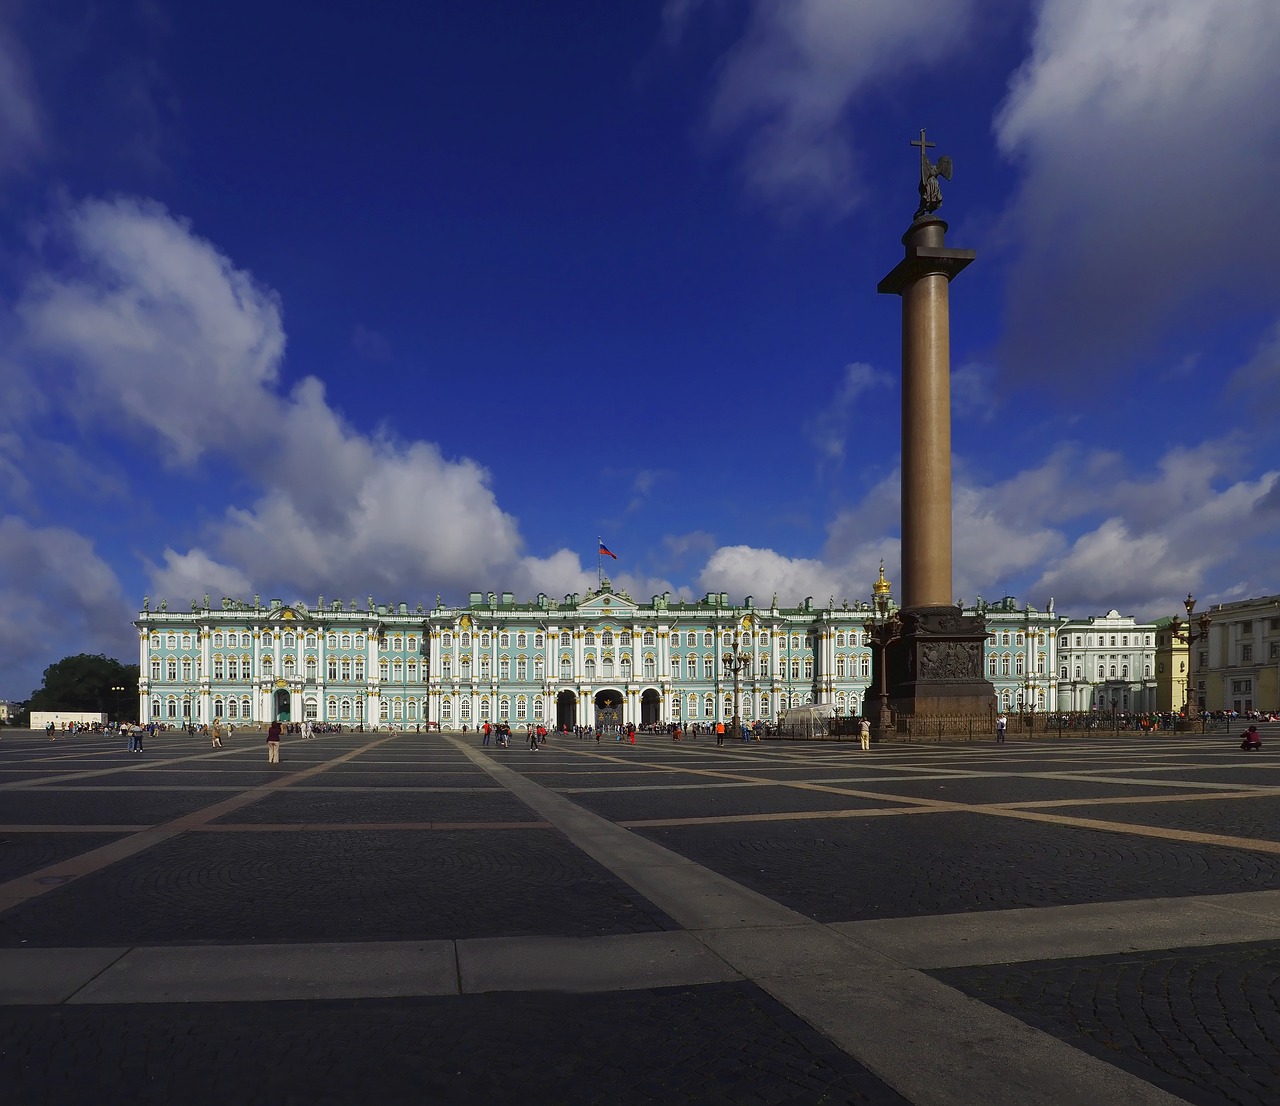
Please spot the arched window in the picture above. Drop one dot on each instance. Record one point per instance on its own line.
(504, 641)
(650, 667)
(217, 708)
(565, 640)
(233, 709)
(289, 670)
(522, 640)
(359, 670)
(397, 670)
(648, 637)
(289, 641)
(589, 638)
(589, 667)
(709, 706)
(840, 664)
(155, 669)
(446, 667)
(504, 669)
(624, 666)
(522, 668)
(384, 711)
(865, 667)
(311, 668)
(566, 668)
(538, 668)
(485, 667)
(606, 638)
(332, 668)
(464, 710)
(1017, 665)
(522, 708)
(446, 710)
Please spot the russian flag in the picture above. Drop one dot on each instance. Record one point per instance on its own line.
(604, 552)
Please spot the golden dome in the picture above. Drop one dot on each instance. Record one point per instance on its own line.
(881, 586)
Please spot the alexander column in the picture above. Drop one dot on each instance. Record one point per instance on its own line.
(935, 668)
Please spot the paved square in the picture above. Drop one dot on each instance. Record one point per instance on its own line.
(418, 918)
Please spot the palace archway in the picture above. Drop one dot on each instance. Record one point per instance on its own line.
(566, 710)
(650, 708)
(282, 705)
(608, 705)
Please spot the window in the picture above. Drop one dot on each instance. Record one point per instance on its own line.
(522, 668)
(840, 641)
(332, 668)
(589, 638)
(675, 668)
(840, 667)
(708, 668)
(691, 639)
(606, 638)
(382, 669)
(155, 668)
(590, 668)
(290, 642)
(486, 668)
(446, 711)
(233, 669)
(219, 671)
(346, 644)
(504, 641)
(446, 667)
(359, 669)
(267, 662)
(171, 668)
(1124, 672)
(1246, 627)
(346, 668)
(522, 708)
(808, 668)
(648, 637)
(1004, 638)
(217, 641)
(1246, 653)
(504, 669)
(397, 670)
(650, 667)
(311, 668)
(709, 706)
(864, 667)
(565, 640)
(155, 641)
(1018, 665)
(795, 668)
(171, 642)
(1063, 674)
(566, 668)
(289, 663)
(186, 668)
(625, 667)
(1004, 664)
(522, 640)
(993, 665)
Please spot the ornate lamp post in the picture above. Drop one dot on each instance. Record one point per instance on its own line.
(883, 630)
(1191, 636)
(736, 661)
(119, 690)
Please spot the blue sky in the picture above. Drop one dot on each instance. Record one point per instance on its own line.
(401, 299)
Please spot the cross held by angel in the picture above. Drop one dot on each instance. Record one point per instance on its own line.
(930, 192)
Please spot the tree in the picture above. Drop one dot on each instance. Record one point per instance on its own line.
(89, 682)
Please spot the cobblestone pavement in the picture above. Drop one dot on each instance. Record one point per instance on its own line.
(1202, 1023)
(719, 1044)
(356, 840)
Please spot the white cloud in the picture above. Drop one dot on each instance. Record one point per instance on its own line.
(788, 85)
(1145, 129)
(828, 430)
(164, 335)
(59, 597)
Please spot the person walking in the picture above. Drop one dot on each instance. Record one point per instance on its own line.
(1002, 723)
(273, 743)
(719, 733)
(215, 734)
(308, 730)
(864, 733)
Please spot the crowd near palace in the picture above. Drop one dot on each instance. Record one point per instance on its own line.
(603, 659)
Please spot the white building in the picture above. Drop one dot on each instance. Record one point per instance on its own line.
(1107, 663)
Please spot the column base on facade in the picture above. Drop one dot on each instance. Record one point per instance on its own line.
(935, 676)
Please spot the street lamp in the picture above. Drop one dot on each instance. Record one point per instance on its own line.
(119, 689)
(883, 629)
(736, 661)
(1191, 636)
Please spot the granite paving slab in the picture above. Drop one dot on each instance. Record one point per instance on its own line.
(332, 885)
(21, 853)
(51, 806)
(945, 863)
(1201, 1023)
(1256, 817)
(1011, 789)
(707, 802)
(714, 1045)
(455, 805)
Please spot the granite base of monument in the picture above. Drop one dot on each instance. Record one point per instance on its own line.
(935, 679)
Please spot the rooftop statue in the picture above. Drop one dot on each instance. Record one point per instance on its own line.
(930, 192)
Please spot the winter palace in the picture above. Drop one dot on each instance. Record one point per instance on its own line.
(594, 659)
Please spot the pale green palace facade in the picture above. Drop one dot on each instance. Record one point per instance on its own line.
(598, 658)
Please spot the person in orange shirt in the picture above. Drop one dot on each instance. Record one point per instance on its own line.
(719, 733)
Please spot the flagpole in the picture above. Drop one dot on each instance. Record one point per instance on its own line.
(599, 563)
